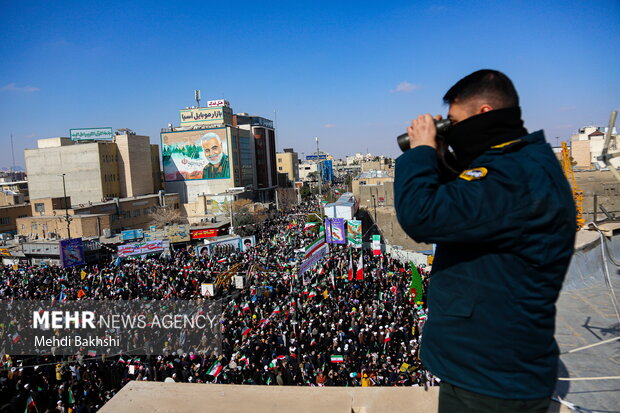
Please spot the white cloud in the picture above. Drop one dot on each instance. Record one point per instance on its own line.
(12, 87)
(329, 126)
(405, 87)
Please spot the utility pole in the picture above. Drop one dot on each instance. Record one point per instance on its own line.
(67, 218)
(318, 165)
(13, 156)
(232, 225)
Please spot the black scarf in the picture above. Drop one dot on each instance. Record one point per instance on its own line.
(473, 136)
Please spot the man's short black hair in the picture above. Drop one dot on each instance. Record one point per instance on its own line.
(491, 85)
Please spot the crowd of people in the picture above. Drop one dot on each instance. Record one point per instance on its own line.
(318, 329)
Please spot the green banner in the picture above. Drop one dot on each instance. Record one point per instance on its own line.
(354, 233)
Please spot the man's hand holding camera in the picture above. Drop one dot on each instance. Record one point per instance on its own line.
(423, 131)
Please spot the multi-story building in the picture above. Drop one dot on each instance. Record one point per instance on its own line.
(94, 171)
(9, 214)
(214, 152)
(587, 145)
(288, 163)
(374, 188)
(13, 192)
(264, 150)
(48, 220)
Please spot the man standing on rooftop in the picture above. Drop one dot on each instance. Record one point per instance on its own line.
(504, 225)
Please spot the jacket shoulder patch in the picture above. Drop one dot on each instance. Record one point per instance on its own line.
(473, 174)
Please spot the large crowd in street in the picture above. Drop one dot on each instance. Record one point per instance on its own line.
(318, 329)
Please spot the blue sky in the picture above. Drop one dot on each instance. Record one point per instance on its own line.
(351, 73)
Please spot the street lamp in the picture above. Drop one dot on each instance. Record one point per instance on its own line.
(67, 218)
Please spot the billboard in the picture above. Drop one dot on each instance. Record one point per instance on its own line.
(91, 134)
(224, 246)
(326, 171)
(335, 231)
(195, 154)
(206, 116)
(71, 252)
(131, 234)
(315, 157)
(174, 233)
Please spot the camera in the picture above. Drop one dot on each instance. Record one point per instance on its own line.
(442, 126)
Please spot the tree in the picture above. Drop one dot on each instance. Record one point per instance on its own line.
(166, 215)
(245, 214)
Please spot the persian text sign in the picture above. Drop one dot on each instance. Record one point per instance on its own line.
(211, 115)
(216, 103)
(91, 134)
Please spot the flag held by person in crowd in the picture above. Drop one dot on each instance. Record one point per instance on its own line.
(359, 274)
(337, 359)
(350, 274)
(215, 369)
(416, 289)
(316, 244)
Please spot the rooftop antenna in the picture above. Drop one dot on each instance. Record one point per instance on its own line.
(197, 97)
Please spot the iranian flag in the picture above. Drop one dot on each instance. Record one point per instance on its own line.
(309, 225)
(276, 310)
(350, 274)
(359, 274)
(318, 243)
(91, 353)
(337, 359)
(312, 294)
(387, 337)
(215, 369)
(30, 404)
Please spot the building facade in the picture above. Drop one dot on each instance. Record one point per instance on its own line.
(48, 220)
(94, 171)
(9, 214)
(288, 163)
(587, 145)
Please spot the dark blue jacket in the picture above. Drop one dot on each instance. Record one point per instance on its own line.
(505, 233)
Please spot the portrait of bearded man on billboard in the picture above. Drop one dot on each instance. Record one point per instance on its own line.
(217, 161)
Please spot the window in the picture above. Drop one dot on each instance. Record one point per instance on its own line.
(39, 207)
(4, 221)
(136, 212)
(279, 160)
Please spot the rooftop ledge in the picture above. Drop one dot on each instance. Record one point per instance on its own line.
(160, 397)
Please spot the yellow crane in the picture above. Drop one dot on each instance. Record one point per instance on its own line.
(567, 166)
